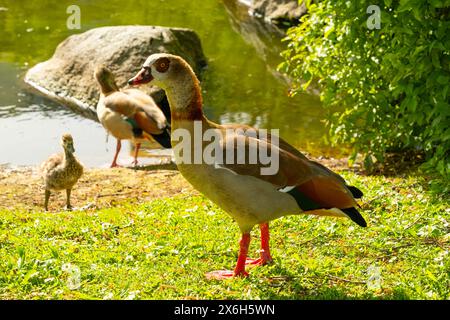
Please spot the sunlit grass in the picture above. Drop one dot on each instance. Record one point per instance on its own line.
(162, 249)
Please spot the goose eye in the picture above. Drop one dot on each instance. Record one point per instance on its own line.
(162, 65)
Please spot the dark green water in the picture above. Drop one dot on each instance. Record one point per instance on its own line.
(238, 86)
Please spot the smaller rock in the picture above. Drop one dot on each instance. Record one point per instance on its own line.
(277, 11)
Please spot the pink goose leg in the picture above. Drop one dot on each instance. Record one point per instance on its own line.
(136, 153)
(265, 257)
(118, 147)
(239, 270)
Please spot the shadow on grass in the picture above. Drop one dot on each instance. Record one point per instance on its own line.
(289, 286)
(153, 167)
(410, 163)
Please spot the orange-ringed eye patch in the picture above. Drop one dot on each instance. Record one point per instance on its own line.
(162, 65)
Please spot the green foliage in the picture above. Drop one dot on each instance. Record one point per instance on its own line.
(390, 86)
(162, 250)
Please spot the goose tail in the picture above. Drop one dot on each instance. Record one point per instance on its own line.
(355, 216)
(163, 138)
(357, 194)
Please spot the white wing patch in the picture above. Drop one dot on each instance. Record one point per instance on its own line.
(286, 189)
(219, 166)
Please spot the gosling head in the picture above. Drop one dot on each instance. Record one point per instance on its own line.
(105, 79)
(67, 143)
(162, 70)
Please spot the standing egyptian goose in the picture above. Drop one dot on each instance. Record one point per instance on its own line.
(61, 171)
(241, 189)
(129, 114)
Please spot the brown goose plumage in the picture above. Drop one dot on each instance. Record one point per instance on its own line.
(250, 197)
(129, 114)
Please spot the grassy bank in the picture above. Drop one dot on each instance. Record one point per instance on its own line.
(160, 247)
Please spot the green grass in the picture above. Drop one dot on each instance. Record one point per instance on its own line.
(162, 249)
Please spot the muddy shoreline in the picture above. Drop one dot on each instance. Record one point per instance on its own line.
(21, 187)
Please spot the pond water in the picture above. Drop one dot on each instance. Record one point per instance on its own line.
(239, 85)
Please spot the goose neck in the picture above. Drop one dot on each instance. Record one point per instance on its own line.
(185, 99)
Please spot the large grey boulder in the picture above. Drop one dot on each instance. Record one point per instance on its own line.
(67, 77)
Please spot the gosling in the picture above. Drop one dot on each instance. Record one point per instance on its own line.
(61, 171)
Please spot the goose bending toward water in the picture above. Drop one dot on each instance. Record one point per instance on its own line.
(129, 114)
(61, 171)
(243, 189)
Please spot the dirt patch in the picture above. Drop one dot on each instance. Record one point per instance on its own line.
(22, 188)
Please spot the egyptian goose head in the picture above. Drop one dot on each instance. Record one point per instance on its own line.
(176, 77)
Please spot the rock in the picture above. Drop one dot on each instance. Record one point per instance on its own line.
(276, 11)
(284, 13)
(263, 24)
(67, 77)
(265, 37)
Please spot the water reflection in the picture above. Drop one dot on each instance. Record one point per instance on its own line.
(31, 127)
(238, 86)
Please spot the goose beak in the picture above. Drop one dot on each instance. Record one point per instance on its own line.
(143, 76)
(71, 148)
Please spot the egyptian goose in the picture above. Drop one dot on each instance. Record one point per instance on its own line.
(61, 171)
(246, 193)
(129, 114)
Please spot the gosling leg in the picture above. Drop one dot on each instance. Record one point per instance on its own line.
(47, 197)
(68, 205)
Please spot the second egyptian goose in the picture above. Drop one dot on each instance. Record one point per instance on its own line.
(299, 186)
(129, 114)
